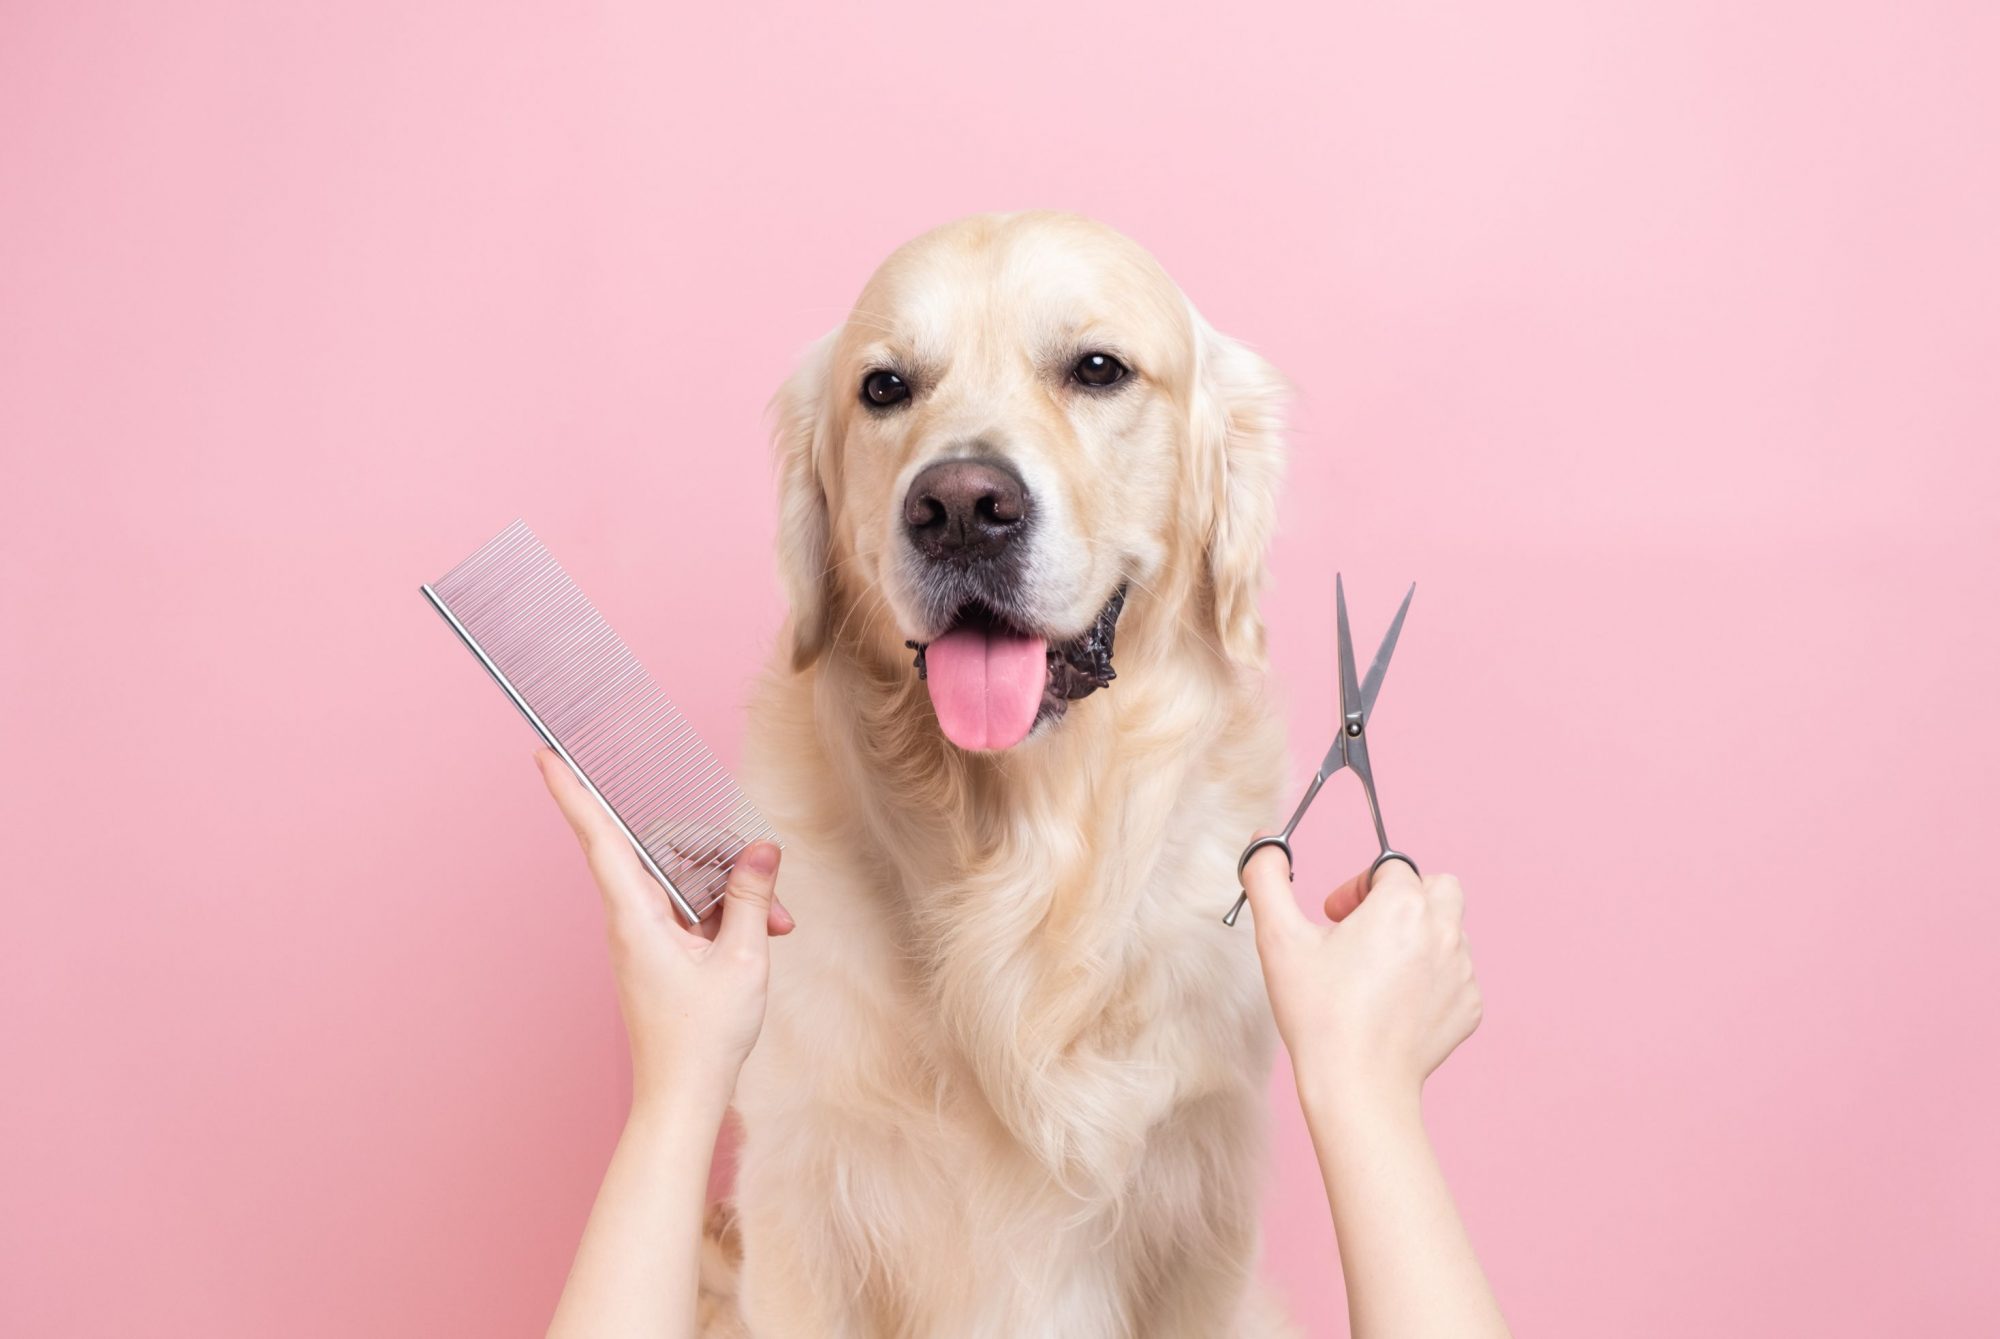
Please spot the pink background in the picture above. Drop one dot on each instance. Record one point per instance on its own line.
(1655, 341)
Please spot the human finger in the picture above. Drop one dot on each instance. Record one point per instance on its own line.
(1446, 895)
(613, 863)
(1344, 899)
(1267, 879)
(1394, 872)
(749, 900)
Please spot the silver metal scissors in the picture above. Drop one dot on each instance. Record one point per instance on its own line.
(1350, 746)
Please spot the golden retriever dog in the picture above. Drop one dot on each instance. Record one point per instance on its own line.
(1012, 1082)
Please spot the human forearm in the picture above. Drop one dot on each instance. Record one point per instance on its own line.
(693, 1001)
(1409, 1265)
(636, 1267)
(1368, 1008)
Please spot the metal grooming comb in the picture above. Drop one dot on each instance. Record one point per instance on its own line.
(591, 701)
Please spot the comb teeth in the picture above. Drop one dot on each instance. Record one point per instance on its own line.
(592, 701)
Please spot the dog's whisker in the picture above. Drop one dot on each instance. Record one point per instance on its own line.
(881, 606)
(847, 618)
(833, 567)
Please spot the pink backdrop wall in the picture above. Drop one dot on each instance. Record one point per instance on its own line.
(1655, 340)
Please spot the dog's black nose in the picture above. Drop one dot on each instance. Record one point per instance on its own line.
(964, 509)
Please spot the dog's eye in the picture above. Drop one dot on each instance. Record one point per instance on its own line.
(884, 388)
(1099, 369)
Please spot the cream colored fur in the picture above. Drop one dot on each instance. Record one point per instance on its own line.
(1012, 1082)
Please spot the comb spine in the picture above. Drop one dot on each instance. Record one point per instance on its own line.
(548, 737)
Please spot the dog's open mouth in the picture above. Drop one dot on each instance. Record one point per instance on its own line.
(991, 683)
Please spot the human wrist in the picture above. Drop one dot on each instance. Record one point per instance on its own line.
(682, 1102)
(1350, 1097)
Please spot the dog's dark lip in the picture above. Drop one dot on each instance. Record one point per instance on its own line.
(1082, 665)
(1078, 666)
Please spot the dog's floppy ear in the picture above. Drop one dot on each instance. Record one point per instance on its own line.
(1238, 427)
(799, 428)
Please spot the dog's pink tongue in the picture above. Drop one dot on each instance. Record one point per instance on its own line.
(986, 685)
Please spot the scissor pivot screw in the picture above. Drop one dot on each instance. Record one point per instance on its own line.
(1353, 729)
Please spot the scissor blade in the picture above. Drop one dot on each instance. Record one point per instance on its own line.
(1373, 683)
(1350, 691)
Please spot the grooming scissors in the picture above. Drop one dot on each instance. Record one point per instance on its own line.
(1350, 746)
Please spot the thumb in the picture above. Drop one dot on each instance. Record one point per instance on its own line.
(1392, 881)
(1268, 881)
(746, 899)
(1395, 874)
(1341, 902)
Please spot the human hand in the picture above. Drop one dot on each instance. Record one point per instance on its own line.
(693, 999)
(1370, 1006)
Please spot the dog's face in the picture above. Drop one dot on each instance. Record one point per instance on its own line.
(1022, 423)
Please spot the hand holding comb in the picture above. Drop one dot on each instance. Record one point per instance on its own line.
(594, 704)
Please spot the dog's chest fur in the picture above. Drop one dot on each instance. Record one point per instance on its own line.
(1013, 1060)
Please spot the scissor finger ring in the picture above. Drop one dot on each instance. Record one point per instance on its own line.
(1276, 839)
(1385, 858)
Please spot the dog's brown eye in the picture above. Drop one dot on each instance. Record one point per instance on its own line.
(884, 388)
(1099, 369)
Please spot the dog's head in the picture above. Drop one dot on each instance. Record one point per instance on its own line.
(1022, 426)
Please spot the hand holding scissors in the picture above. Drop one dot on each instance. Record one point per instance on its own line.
(1350, 745)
